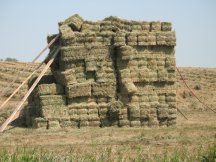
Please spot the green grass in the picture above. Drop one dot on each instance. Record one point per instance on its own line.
(106, 154)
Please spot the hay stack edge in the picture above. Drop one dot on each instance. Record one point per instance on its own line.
(112, 72)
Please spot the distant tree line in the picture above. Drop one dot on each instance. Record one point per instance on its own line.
(9, 59)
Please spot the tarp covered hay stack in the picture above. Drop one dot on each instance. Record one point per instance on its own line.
(112, 72)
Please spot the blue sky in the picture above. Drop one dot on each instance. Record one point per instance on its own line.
(24, 24)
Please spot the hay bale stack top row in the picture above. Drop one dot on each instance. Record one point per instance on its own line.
(112, 72)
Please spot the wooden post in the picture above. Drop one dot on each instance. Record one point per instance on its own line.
(18, 108)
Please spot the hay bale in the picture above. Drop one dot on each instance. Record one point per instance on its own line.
(144, 122)
(40, 123)
(171, 99)
(161, 98)
(135, 123)
(155, 26)
(172, 105)
(133, 112)
(93, 111)
(51, 100)
(68, 123)
(146, 38)
(93, 117)
(144, 98)
(166, 38)
(172, 111)
(171, 122)
(83, 124)
(49, 89)
(163, 122)
(115, 106)
(65, 77)
(172, 116)
(130, 87)
(153, 122)
(82, 111)
(75, 22)
(162, 113)
(89, 26)
(136, 27)
(126, 52)
(104, 89)
(94, 123)
(124, 123)
(131, 39)
(166, 26)
(78, 90)
(50, 112)
(75, 118)
(79, 101)
(53, 124)
(72, 111)
(162, 75)
(91, 65)
(145, 26)
(83, 117)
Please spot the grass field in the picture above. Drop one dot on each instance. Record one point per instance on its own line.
(189, 140)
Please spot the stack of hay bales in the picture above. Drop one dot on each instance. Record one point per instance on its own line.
(48, 106)
(112, 72)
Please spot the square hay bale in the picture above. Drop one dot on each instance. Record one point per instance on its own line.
(93, 111)
(135, 123)
(124, 123)
(130, 87)
(94, 123)
(155, 26)
(50, 100)
(68, 123)
(136, 27)
(53, 124)
(75, 118)
(146, 38)
(162, 75)
(131, 38)
(120, 39)
(104, 89)
(93, 117)
(166, 38)
(145, 26)
(49, 89)
(162, 113)
(89, 26)
(153, 122)
(78, 90)
(163, 122)
(80, 101)
(91, 65)
(126, 52)
(171, 122)
(83, 124)
(74, 22)
(50, 112)
(40, 123)
(82, 111)
(134, 112)
(65, 77)
(166, 26)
